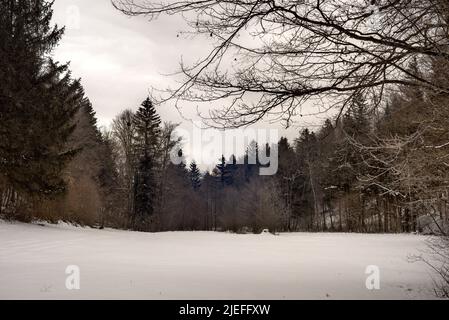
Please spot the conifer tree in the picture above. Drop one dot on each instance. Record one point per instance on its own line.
(148, 128)
(147, 124)
(356, 119)
(38, 100)
(231, 169)
(195, 176)
(222, 172)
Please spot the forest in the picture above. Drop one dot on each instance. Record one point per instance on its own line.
(381, 165)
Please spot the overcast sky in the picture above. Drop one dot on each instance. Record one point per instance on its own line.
(120, 58)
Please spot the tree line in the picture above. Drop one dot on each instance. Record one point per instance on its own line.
(369, 169)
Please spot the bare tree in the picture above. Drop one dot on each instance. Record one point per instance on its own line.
(261, 206)
(272, 56)
(168, 142)
(123, 130)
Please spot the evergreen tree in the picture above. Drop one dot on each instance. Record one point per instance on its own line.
(231, 169)
(251, 161)
(356, 120)
(209, 191)
(147, 124)
(223, 173)
(288, 179)
(195, 176)
(38, 101)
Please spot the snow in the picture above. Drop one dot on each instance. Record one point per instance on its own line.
(206, 265)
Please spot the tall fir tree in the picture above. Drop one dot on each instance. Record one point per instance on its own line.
(147, 124)
(148, 128)
(356, 120)
(222, 172)
(38, 100)
(231, 169)
(195, 176)
(251, 161)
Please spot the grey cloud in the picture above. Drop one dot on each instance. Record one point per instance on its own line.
(120, 58)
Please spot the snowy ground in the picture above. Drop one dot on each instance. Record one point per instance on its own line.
(206, 265)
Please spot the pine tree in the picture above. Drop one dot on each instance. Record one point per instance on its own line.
(356, 120)
(251, 161)
(38, 101)
(182, 172)
(195, 176)
(221, 172)
(231, 168)
(209, 192)
(147, 124)
(183, 175)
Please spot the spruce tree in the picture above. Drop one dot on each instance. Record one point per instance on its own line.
(147, 124)
(38, 101)
(222, 172)
(182, 173)
(195, 176)
(356, 120)
(231, 169)
(251, 160)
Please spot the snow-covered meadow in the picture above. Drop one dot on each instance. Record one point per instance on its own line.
(205, 265)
